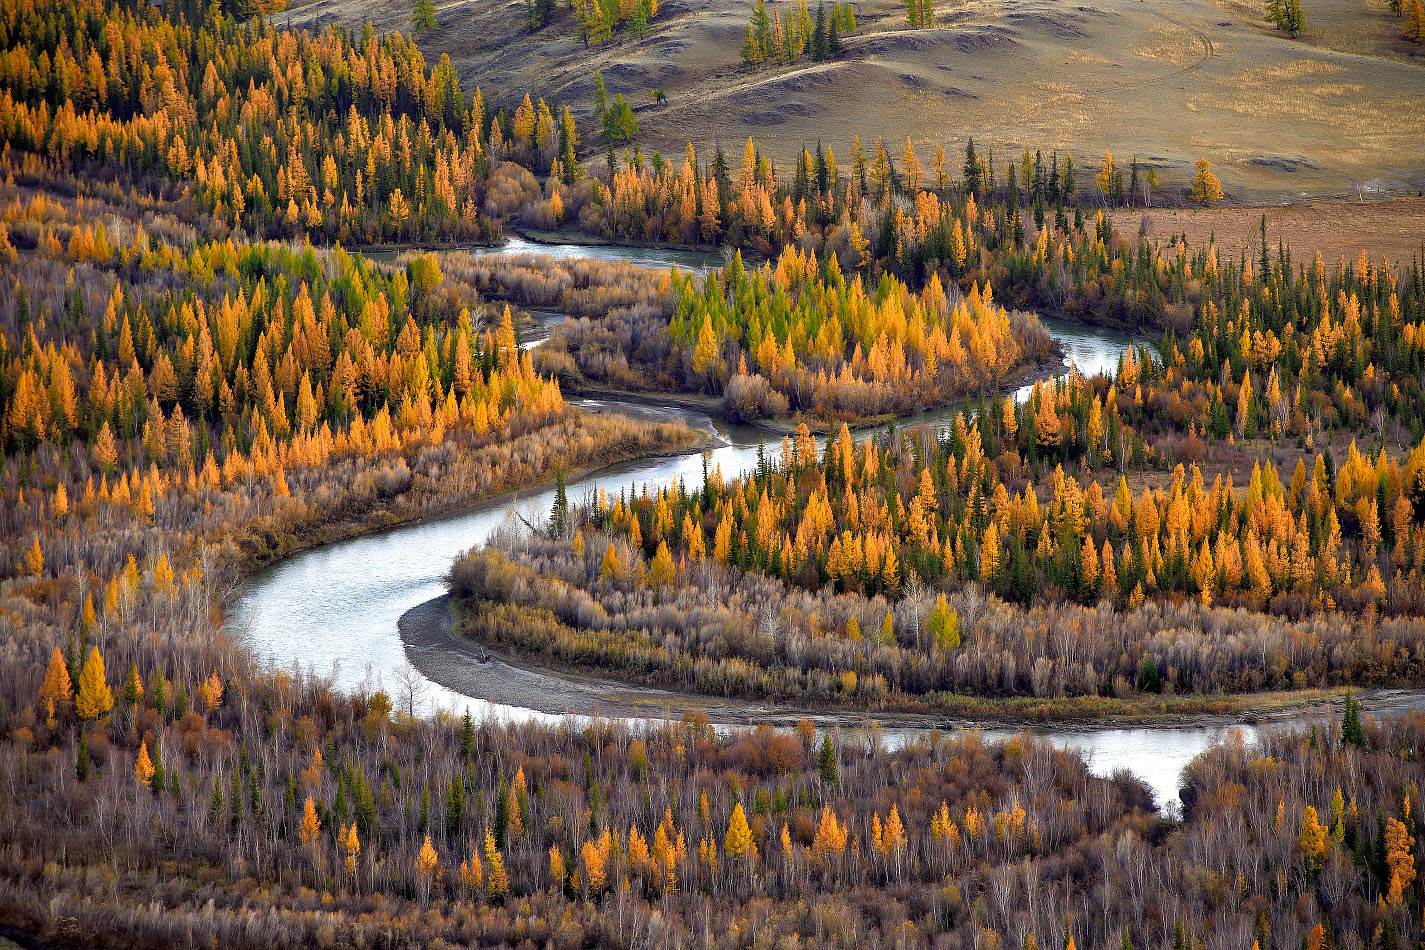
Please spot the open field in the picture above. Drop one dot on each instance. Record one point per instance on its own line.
(1279, 118)
(1335, 229)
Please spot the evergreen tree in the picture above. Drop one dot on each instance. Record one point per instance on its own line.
(826, 761)
(559, 512)
(423, 16)
(467, 737)
(455, 808)
(971, 168)
(81, 761)
(1352, 732)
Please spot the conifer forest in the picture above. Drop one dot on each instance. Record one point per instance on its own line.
(445, 512)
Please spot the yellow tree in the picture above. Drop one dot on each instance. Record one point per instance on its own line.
(1312, 839)
(472, 873)
(105, 451)
(662, 573)
(1400, 858)
(611, 566)
(211, 691)
(738, 840)
(1414, 20)
(557, 871)
(910, 167)
(497, 882)
(830, 837)
(1105, 175)
(427, 868)
(593, 860)
(57, 689)
(311, 824)
(143, 767)
(893, 837)
(989, 553)
(353, 849)
(34, 564)
(1205, 187)
(94, 698)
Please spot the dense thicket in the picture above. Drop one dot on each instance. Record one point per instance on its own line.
(802, 337)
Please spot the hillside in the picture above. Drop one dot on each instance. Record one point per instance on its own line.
(1278, 118)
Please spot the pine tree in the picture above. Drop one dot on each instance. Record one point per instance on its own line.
(423, 16)
(133, 687)
(81, 759)
(559, 513)
(826, 761)
(467, 737)
(1352, 732)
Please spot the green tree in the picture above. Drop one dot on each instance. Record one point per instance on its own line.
(826, 761)
(1352, 732)
(972, 168)
(620, 126)
(944, 625)
(559, 512)
(423, 16)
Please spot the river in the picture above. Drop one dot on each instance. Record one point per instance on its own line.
(334, 609)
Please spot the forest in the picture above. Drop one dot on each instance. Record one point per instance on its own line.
(226, 336)
(821, 347)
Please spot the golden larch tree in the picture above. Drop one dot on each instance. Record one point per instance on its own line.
(94, 698)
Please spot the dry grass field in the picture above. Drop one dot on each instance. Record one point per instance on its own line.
(1335, 229)
(1341, 107)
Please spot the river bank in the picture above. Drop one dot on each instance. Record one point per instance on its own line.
(340, 610)
(1040, 370)
(445, 655)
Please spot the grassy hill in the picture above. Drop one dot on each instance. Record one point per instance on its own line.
(1342, 104)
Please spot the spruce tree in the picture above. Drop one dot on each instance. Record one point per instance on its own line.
(1352, 732)
(826, 761)
(818, 34)
(81, 761)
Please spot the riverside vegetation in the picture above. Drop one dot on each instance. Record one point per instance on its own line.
(190, 388)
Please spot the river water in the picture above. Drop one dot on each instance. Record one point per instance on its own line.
(334, 609)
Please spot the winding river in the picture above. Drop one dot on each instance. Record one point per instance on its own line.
(334, 610)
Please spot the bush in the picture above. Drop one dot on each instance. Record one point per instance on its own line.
(749, 398)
